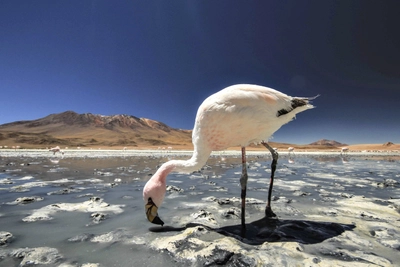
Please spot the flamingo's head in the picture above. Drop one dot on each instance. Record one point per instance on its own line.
(151, 212)
(153, 196)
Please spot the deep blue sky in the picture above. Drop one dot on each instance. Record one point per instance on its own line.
(161, 59)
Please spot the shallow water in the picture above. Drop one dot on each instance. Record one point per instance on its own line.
(303, 185)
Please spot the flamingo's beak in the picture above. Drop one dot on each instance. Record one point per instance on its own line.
(151, 213)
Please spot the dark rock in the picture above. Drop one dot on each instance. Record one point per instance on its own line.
(300, 193)
(5, 238)
(340, 254)
(95, 199)
(203, 216)
(227, 258)
(6, 181)
(19, 189)
(388, 183)
(36, 256)
(98, 217)
(232, 212)
(64, 191)
(223, 201)
(369, 217)
(119, 235)
(26, 200)
(81, 238)
(174, 189)
(346, 195)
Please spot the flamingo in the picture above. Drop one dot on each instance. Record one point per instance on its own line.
(237, 115)
(344, 150)
(291, 150)
(55, 150)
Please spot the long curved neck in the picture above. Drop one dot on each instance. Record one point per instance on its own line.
(156, 186)
(198, 159)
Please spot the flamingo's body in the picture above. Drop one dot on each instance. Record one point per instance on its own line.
(237, 115)
(55, 150)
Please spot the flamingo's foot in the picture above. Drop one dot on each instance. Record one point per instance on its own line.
(269, 213)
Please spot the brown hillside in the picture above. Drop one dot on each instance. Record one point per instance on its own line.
(328, 143)
(90, 130)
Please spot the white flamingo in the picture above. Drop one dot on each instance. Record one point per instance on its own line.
(55, 150)
(237, 115)
(291, 150)
(344, 150)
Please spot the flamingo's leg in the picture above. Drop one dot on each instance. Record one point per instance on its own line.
(243, 183)
(268, 211)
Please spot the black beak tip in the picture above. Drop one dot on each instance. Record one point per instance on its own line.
(157, 220)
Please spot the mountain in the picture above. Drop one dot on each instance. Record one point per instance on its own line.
(328, 143)
(72, 129)
(388, 144)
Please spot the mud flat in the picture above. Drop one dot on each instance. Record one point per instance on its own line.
(85, 208)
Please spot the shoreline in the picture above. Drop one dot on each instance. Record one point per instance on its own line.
(92, 153)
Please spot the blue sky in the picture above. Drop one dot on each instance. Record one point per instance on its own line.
(161, 59)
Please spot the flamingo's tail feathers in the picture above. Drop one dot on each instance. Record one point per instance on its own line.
(312, 98)
(303, 101)
(297, 105)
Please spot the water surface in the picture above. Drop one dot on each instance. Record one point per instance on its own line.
(303, 185)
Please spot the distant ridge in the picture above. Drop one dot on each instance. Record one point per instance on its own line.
(388, 144)
(72, 129)
(89, 119)
(330, 143)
